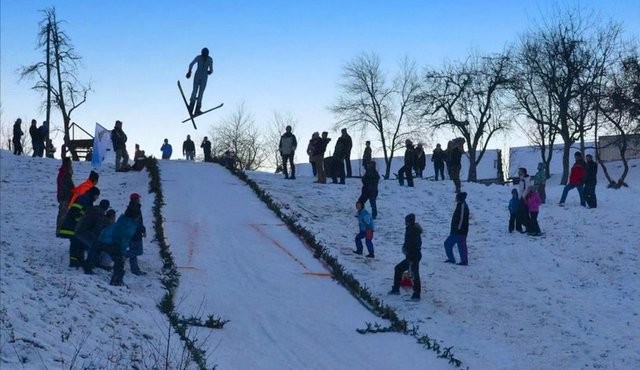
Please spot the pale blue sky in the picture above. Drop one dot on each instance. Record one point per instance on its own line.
(272, 55)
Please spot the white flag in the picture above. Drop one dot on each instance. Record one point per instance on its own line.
(101, 145)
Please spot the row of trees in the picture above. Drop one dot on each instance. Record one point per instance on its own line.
(568, 78)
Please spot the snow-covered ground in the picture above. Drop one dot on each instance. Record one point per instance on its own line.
(568, 300)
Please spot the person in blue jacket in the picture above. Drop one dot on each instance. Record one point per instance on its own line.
(366, 227)
(115, 240)
(166, 149)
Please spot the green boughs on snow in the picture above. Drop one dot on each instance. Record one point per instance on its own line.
(171, 277)
(358, 290)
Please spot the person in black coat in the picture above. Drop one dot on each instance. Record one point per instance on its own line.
(88, 230)
(206, 147)
(348, 146)
(455, 149)
(340, 154)
(76, 211)
(370, 182)
(438, 161)
(459, 230)
(366, 156)
(590, 180)
(412, 252)
(37, 142)
(17, 137)
(421, 161)
(409, 161)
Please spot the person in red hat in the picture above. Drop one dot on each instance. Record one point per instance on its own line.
(135, 245)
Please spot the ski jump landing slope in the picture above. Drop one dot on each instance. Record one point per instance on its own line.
(239, 262)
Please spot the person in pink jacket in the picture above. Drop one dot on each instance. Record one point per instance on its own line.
(533, 202)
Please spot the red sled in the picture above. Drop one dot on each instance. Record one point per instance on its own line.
(406, 281)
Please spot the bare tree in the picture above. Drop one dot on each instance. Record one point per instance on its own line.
(468, 98)
(369, 101)
(277, 127)
(65, 89)
(562, 60)
(239, 135)
(533, 102)
(620, 107)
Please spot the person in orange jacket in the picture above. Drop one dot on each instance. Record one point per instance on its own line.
(82, 188)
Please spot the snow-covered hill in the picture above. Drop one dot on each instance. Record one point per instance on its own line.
(568, 300)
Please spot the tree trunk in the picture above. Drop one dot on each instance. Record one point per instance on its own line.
(566, 151)
(48, 79)
(472, 176)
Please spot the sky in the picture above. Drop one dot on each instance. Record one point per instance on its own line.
(284, 56)
(567, 300)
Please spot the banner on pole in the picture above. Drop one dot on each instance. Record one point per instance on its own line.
(101, 145)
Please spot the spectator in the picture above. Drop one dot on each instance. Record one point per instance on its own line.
(317, 146)
(189, 149)
(44, 136)
(366, 156)
(17, 137)
(409, 161)
(88, 230)
(540, 180)
(50, 149)
(79, 190)
(421, 161)
(590, 181)
(437, 158)
(89, 156)
(455, 149)
(206, 148)
(524, 187)
(533, 205)
(166, 149)
(348, 146)
(119, 141)
(139, 159)
(340, 155)
(115, 238)
(68, 229)
(366, 228)
(576, 179)
(514, 203)
(287, 148)
(311, 150)
(370, 182)
(459, 231)
(96, 250)
(36, 139)
(412, 256)
(135, 245)
(64, 193)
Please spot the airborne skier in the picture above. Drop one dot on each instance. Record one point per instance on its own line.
(203, 70)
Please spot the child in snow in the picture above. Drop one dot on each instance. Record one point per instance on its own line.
(533, 201)
(115, 239)
(365, 223)
(413, 255)
(513, 209)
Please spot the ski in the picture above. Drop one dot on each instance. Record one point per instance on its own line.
(187, 105)
(201, 113)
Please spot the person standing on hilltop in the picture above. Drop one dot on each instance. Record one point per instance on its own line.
(287, 148)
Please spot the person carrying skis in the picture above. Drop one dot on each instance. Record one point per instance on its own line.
(203, 70)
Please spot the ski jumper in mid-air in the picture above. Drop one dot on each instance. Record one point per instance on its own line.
(203, 70)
